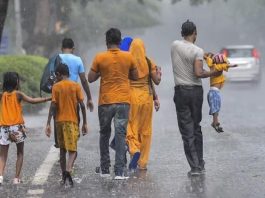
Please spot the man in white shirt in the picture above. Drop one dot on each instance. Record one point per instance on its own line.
(187, 63)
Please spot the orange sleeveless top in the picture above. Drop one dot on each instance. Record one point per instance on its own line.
(10, 110)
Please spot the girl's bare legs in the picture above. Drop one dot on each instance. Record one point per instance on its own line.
(20, 155)
(3, 158)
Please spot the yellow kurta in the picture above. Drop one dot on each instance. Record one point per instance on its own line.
(139, 130)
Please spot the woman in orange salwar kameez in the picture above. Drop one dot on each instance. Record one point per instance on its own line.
(139, 130)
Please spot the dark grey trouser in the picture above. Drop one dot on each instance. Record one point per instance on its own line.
(188, 101)
(120, 113)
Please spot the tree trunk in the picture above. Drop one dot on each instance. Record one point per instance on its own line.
(43, 17)
(41, 25)
(19, 49)
(3, 13)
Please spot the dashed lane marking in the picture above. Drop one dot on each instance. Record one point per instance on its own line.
(36, 192)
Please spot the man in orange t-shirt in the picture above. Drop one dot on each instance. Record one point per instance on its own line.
(116, 68)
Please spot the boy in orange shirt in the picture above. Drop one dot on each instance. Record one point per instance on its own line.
(12, 127)
(216, 83)
(66, 95)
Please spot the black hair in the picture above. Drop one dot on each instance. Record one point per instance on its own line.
(10, 81)
(68, 43)
(188, 28)
(113, 36)
(62, 69)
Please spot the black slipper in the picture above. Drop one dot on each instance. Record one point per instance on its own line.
(217, 127)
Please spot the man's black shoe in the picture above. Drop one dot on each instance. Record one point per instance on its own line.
(195, 172)
(56, 145)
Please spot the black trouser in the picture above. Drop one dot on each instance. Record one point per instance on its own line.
(188, 101)
(120, 114)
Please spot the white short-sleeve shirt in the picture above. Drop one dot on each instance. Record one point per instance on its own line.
(183, 56)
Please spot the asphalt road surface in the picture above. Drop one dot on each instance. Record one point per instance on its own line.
(234, 159)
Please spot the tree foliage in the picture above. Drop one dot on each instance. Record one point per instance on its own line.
(46, 22)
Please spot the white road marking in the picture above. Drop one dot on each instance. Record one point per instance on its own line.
(36, 192)
(43, 172)
(33, 197)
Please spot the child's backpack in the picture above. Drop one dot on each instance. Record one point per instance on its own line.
(48, 77)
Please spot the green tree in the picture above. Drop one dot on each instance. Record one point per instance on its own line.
(46, 22)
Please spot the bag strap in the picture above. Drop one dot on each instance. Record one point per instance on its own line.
(56, 62)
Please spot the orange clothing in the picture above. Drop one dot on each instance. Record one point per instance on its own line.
(66, 94)
(114, 66)
(219, 67)
(145, 141)
(221, 78)
(11, 110)
(140, 118)
(137, 49)
(139, 130)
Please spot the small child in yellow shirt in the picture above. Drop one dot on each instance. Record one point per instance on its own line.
(216, 83)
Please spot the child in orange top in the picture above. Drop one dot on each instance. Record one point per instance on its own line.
(216, 83)
(12, 127)
(66, 96)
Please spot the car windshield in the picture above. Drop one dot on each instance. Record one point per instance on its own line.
(237, 53)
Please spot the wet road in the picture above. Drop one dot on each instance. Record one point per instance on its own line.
(234, 160)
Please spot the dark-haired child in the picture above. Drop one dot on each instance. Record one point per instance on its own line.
(12, 127)
(218, 63)
(66, 96)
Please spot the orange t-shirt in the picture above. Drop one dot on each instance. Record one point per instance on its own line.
(114, 66)
(11, 110)
(66, 94)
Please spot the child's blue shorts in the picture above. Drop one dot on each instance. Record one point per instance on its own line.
(214, 100)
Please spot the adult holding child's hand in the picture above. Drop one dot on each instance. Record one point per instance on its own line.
(187, 63)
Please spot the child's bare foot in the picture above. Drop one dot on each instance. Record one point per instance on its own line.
(217, 127)
(16, 181)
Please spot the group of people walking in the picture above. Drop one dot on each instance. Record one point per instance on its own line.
(127, 97)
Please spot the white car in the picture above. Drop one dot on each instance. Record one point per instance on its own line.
(247, 58)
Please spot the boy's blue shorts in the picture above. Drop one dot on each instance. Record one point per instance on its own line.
(214, 101)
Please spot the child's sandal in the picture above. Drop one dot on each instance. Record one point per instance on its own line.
(217, 127)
